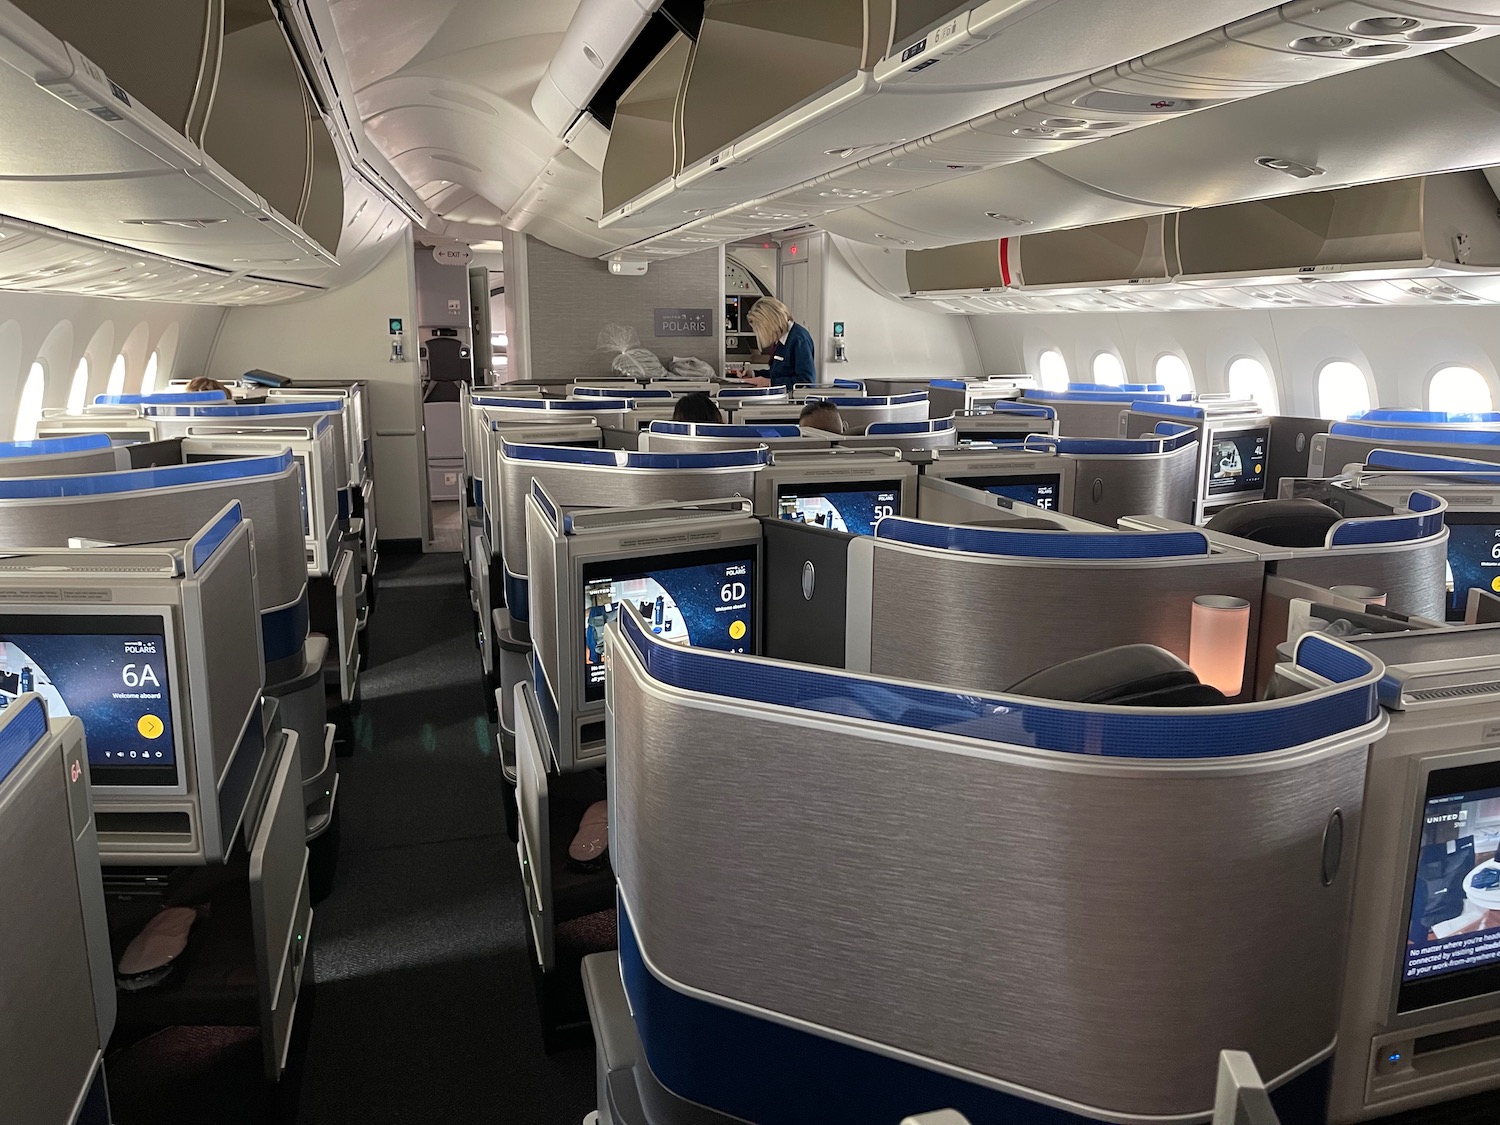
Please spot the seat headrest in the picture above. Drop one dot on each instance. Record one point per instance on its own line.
(1302, 522)
(1128, 676)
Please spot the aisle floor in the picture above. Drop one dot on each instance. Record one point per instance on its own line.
(424, 1009)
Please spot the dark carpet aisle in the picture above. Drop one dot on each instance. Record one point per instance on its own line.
(425, 1010)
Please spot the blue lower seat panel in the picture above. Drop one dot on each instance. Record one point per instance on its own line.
(769, 1073)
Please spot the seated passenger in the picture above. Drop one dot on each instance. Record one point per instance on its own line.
(821, 416)
(697, 407)
(201, 383)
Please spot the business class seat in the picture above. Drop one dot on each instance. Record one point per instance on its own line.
(1301, 522)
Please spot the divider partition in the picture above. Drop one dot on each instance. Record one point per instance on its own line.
(1156, 913)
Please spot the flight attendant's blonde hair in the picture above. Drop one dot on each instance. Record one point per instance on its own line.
(771, 320)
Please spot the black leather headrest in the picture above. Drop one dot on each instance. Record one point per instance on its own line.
(1128, 676)
(1303, 522)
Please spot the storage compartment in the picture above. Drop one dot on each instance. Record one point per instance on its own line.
(644, 144)
(1132, 250)
(969, 265)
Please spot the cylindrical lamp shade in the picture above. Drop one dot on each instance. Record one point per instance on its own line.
(1366, 595)
(1216, 643)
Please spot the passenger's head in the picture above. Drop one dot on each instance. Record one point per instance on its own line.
(203, 384)
(769, 320)
(697, 407)
(822, 416)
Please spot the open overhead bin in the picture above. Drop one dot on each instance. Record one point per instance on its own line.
(98, 161)
(645, 142)
(1127, 252)
(1400, 228)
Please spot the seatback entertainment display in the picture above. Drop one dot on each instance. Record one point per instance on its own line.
(702, 598)
(1237, 462)
(855, 508)
(1452, 947)
(113, 674)
(1473, 557)
(1041, 490)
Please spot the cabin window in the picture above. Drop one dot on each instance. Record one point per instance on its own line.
(29, 408)
(78, 393)
(148, 380)
(116, 377)
(1248, 378)
(1459, 390)
(1343, 390)
(1173, 373)
(1052, 370)
(1108, 369)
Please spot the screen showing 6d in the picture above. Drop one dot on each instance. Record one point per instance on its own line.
(702, 598)
(112, 673)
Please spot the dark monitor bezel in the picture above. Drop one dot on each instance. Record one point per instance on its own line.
(1480, 518)
(1463, 984)
(612, 567)
(808, 487)
(146, 623)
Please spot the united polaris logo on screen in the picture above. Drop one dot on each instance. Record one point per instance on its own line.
(140, 648)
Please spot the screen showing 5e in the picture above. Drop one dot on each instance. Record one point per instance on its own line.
(855, 508)
(112, 673)
(702, 598)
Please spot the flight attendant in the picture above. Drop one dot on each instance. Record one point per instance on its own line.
(788, 346)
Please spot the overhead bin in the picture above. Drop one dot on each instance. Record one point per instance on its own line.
(1371, 231)
(644, 144)
(1123, 253)
(967, 267)
(322, 215)
(795, 49)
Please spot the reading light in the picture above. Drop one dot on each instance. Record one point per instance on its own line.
(1290, 167)
(1216, 641)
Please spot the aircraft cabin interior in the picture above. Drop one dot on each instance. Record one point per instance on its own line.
(749, 562)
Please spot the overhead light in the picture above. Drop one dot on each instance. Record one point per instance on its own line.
(1011, 219)
(593, 57)
(1321, 44)
(1384, 25)
(1290, 167)
(191, 224)
(894, 238)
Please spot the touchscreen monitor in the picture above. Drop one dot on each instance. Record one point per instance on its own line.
(703, 598)
(113, 673)
(1237, 461)
(1452, 936)
(854, 506)
(1473, 557)
(1041, 490)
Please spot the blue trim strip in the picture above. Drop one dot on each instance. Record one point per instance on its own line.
(1174, 432)
(539, 494)
(1435, 435)
(934, 426)
(615, 393)
(216, 535)
(1154, 388)
(1026, 409)
(1093, 396)
(1486, 472)
(885, 400)
(712, 429)
(1174, 409)
(543, 404)
(20, 730)
(517, 599)
(1139, 733)
(1044, 544)
(1113, 447)
(848, 384)
(751, 392)
(166, 398)
(1427, 417)
(284, 631)
(46, 447)
(1333, 662)
(141, 480)
(629, 459)
(253, 410)
(949, 384)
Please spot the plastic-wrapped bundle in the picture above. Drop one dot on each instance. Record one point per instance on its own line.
(630, 359)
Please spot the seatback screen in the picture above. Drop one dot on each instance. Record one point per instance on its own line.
(1237, 462)
(1473, 558)
(113, 673)
(1452, 946)
(1041, 490)
(854, 507)
(702, 598)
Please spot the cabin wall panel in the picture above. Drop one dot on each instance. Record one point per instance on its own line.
(569, 299)
(1398, 347)
(344, 334)
(888, 337)
(60, 328)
